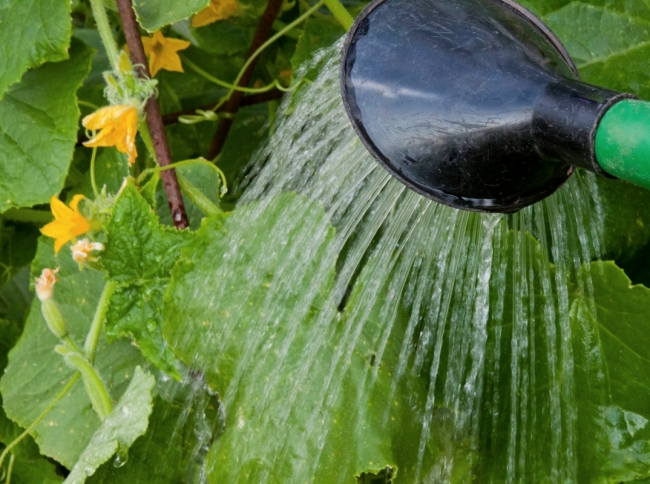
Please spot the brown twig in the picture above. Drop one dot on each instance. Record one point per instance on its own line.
(232, 105)
(152, 111)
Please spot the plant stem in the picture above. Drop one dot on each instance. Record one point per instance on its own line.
(28, 215)
(200, 200)
(152, 111)
(38, 420)
(232, 87)
(92, 106)
(251, 100)
(178, 164)
(105, 32)
(235, 97)
(10, 469)
(341, 15)
(90, 347)
(95, 387)
(92, 172)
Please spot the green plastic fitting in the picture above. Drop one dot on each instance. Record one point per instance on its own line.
(622, 142)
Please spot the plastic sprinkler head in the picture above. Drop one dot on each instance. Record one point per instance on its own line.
(476, 104)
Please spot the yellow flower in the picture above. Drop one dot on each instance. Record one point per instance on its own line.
(68, 222)
(45, 283)
(162, 52)
(217, 10)
(118, 125)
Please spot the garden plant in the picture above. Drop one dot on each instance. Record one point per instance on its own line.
(127, 133)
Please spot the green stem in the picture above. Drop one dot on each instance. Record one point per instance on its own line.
(10, 469)
(178, 164)
(145, 134)
(38, 420)
(232, 87)
(28, 215)
(95, 387)
(292, 34)
(105, 32)
(92, 172)
(92, 106)
(200, 200)
(90, 347)
(261, 48)
(341, 15)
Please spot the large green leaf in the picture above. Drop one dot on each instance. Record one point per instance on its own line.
(611, 338)
(38, 130)
(609, 47)
(128, 421)
(36, 374)
(154, 14)
(139, 257)
(225, 327)
(32, 32)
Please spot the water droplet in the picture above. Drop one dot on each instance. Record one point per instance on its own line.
(121, 458)
(151, 325)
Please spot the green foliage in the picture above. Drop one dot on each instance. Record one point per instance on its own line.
(36, 374)
(173, 304)
(139, 257)
(127, 422)
(32, 32)
(154, 14)
(609, 45)
(42, 107)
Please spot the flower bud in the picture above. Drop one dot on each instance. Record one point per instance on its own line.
(81, 251)
(45, 283)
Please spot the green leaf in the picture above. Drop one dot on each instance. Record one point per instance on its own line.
(319, 32)
(614, 402)
(36, 374)
(627, 218)
(225, 314)
(111, 168)
(139, 257)
(38, 130)
(32, 32)
(154, 14)
(16, 297)
(173, 448)
(205, 180)
(31, 471)
(610, 43)
(127, 422)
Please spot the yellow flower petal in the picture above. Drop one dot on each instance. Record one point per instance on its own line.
(162, 52)
(68, 222)
(217, 10)
(118, 125)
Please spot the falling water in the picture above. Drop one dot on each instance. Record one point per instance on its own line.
(440, 337)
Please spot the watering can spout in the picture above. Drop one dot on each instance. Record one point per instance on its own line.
(476, 104)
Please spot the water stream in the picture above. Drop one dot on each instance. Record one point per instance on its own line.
(392, 325)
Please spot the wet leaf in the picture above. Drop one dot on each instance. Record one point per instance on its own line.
(32, 32)
(127, 422)
(41, 107)
(174, 446)
(256, 368)
(36, 374)
(139, 256)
